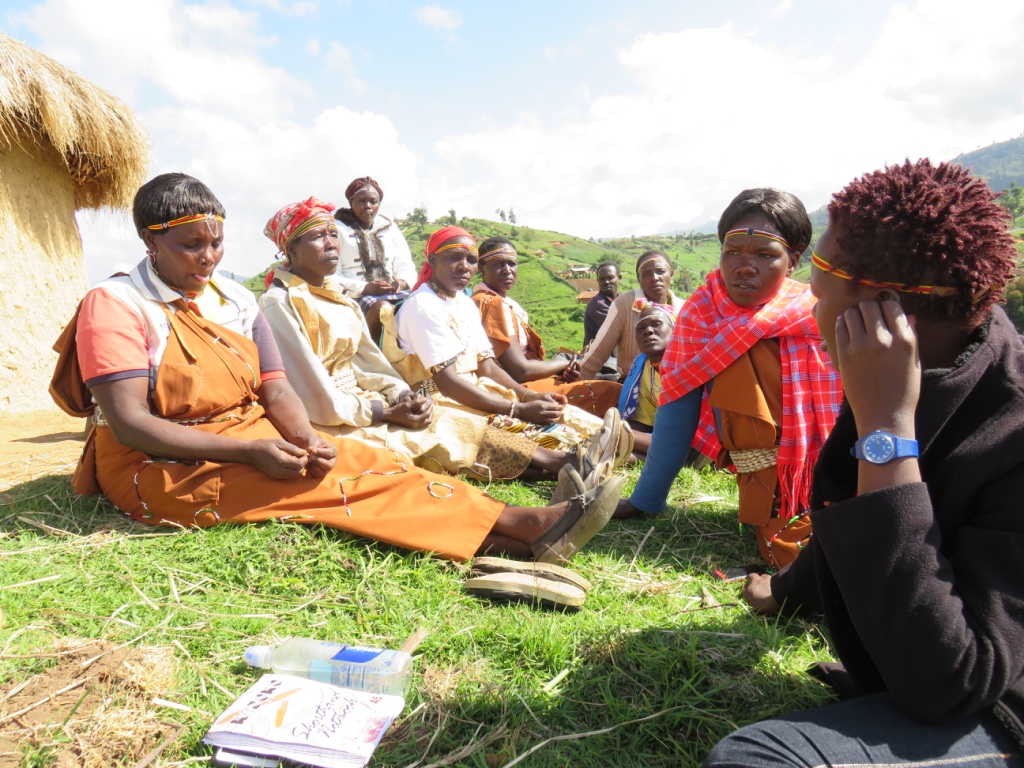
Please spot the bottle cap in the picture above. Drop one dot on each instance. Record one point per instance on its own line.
(259, 656)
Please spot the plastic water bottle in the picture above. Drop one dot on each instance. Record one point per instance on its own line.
(376, 670)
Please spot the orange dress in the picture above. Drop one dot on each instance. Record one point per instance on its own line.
(208, 379)
(504, 327)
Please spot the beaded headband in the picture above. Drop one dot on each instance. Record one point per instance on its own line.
(187, 220)
(497, 252)
(928, 290)
(448, 246)
(312, 222)
(751, 232)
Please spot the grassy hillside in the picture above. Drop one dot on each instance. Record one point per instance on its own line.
(999, 164)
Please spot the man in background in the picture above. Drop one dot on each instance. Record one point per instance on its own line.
(608, 277)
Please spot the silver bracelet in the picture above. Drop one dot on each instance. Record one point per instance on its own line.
(512, 410)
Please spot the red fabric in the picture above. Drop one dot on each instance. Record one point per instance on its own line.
(433, 242)
(283, 224)
(712, 332)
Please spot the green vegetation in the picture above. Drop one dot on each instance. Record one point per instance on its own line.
(662, 661)
(1000, 164)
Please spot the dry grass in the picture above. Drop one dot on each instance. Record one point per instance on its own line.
(102, 143)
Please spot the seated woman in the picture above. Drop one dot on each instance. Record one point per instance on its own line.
(743, 378)
(618, 333)
(375, 263)
(642, 388)
(918, 531)
(194, 423)
(517, 347)
(347, 385)
(438, 345)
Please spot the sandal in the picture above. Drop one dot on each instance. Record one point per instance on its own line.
(603, 445)
(585, 516)
(571, 484)
(526, 588)
(487, 565)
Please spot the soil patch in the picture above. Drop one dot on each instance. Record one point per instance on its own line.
(38, 443)
(93, 708)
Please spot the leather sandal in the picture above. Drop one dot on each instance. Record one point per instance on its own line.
(483, 566)
(570, 483)
(603, 445)
(586, 515)
(526, 588)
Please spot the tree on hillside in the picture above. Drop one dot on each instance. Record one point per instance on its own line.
(512, 220)
(1013, 200)
(452, 217)
(501, 214)
(1014, 298)
(418, 217)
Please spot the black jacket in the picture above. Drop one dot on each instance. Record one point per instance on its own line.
(922, 585)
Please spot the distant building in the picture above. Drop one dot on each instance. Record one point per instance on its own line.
(65, 145)
(584, 296)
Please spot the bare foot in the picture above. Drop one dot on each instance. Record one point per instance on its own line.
(624, 510)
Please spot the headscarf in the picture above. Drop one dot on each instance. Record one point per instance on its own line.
(433, 243)
(643, 304)
(295, 219)
(363, 181)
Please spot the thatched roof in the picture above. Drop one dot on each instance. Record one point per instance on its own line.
(102, 143)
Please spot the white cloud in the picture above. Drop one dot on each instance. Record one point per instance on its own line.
(313, 47)
(782, 8)
(216, 110)
(339, 57)
(714, 111)
(438, 18)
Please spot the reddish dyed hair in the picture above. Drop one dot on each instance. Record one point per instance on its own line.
(921, 224)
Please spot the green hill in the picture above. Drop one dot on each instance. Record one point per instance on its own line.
(1000, 164)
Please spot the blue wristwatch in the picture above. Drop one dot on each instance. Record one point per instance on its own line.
(880, 447)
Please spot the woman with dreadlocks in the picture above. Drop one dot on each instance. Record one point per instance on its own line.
(917, 560)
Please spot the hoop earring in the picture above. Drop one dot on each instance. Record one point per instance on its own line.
(152, 257)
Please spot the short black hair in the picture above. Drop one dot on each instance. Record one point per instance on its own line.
(494, 242)
(170, 196)
(647, 255)
(783, 209)
(609, 264)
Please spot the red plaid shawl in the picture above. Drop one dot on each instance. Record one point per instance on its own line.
(712, 332)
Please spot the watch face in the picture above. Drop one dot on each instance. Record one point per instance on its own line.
(878, 448)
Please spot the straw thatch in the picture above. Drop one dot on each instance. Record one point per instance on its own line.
(64, 145)
(101, 143)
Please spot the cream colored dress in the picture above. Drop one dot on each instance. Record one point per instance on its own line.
(345, 381)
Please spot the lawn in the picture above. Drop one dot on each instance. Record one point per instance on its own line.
(662, 661)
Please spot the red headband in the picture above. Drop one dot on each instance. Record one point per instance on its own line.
(359, 183)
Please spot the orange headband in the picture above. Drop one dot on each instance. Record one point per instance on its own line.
(448, 246)
(750, 231)
(316, 220)
(497, 252)
(928, 290)
(187, 220)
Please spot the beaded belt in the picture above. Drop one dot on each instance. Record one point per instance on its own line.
(344, 379)
(754, 460)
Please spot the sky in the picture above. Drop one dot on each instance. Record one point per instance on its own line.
(588, 117)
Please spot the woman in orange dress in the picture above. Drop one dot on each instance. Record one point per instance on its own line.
(194, 422)
(518, 348)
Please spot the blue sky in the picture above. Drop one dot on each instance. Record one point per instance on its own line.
(593, 118)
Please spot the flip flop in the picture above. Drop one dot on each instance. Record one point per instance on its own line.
(486, 565)
(603, 445)
(525, 588)
(624, 445)
(586, 515)
(571, 484)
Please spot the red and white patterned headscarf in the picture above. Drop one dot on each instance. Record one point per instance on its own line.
(296, 218)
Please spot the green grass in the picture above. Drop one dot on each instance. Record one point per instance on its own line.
(662, 661)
